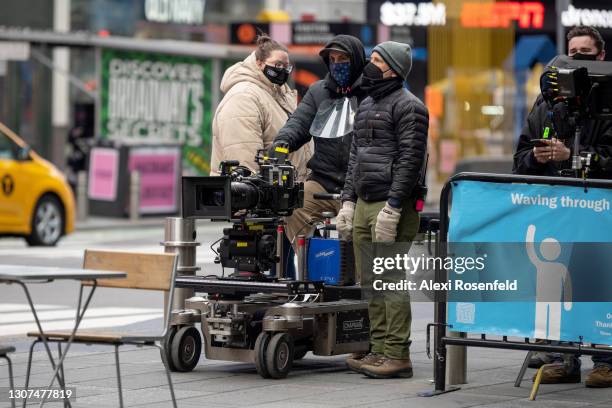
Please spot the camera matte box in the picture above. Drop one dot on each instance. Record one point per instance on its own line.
(197, 197)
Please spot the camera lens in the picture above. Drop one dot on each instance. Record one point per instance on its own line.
(210, 197)
(219, 198)
(244, 196)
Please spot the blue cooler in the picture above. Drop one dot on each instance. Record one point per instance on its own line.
(331, 261)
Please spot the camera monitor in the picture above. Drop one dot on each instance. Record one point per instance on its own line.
(595, 85)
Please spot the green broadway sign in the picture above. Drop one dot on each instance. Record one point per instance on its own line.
(158, 99)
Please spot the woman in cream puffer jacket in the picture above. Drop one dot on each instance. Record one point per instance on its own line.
(254, 108)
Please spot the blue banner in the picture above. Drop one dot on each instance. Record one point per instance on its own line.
(548, 238)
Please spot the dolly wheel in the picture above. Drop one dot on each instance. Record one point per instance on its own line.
(167, 344)
(279, 355)
(261, 344)
(186, 346)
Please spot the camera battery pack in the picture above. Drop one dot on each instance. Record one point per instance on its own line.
(331, 261)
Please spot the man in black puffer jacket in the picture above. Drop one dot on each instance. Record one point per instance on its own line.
(387, 155)
(345, 58)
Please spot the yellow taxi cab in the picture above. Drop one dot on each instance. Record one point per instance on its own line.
(36, 201)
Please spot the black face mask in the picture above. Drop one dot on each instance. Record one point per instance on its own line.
(373, 83)
(277, 76)
(372, 72)
(584, 57)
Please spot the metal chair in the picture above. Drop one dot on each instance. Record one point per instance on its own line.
(4, 351)
(144, 271)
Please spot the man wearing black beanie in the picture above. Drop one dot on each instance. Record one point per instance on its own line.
(379, 199)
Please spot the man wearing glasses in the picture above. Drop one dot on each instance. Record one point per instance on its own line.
(256, 105)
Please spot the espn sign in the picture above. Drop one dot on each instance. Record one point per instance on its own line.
(503, 14)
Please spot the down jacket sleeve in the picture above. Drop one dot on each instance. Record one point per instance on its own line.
(412, 125)
(240, 130)
(348, 192)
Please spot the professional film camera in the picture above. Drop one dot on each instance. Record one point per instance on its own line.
(251, 318)
(253, 202)
(577, 91)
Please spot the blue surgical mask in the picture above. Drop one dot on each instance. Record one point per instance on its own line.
(341, 72)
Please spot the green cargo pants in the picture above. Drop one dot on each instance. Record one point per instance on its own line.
(389, 311)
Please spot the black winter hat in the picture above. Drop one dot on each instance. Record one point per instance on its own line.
(397, 55)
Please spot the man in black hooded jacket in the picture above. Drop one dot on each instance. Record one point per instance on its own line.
(345, 58)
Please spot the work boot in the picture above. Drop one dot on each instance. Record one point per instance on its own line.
(539, 358)
(359, 355)
(389, 368)
(560, 373)
(355, 364)
(599, 377)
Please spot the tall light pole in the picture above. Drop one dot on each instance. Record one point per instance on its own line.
(561, 6)
(60, 106)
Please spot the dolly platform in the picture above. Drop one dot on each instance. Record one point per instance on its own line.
(270, 324)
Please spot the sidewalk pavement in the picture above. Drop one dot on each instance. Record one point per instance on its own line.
(105, 223)
(313, 382)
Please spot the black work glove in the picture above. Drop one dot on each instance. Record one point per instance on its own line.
(279, 151)
(549, 85)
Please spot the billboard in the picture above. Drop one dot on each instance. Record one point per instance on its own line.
(159, 169)
(103, 174)
(149, 99)
(307, 33)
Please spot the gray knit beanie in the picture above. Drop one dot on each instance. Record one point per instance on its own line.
(397, 55)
